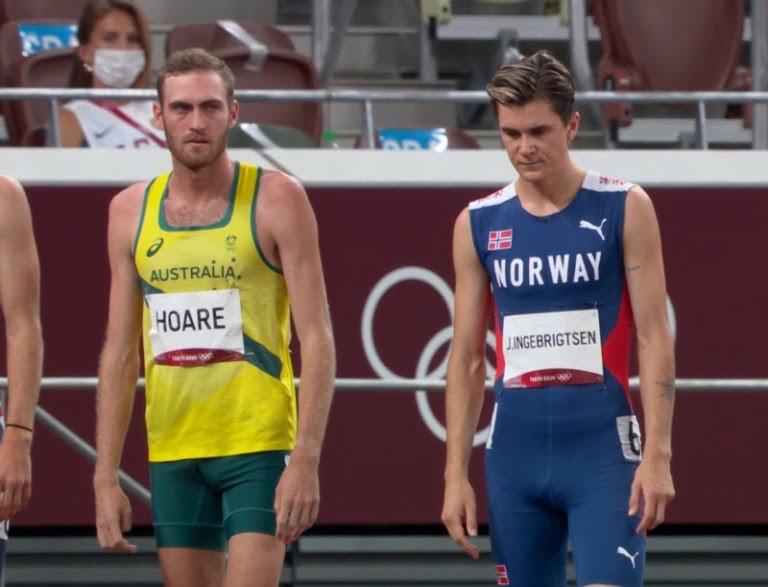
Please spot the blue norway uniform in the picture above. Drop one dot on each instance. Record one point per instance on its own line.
(564, 443)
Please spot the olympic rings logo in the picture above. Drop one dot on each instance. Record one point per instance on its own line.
(440, 339)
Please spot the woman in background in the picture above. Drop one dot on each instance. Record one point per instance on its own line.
(114, 52)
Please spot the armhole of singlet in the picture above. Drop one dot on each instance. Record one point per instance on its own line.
(473, 236)
(254, 233)
(140, 227)
(624, 221)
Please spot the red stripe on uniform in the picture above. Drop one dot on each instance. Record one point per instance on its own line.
(617, 346)
(499, 344)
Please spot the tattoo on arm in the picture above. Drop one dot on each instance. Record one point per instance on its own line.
(632, 268)
(667, 387)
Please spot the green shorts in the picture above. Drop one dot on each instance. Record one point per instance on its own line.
(201, 503)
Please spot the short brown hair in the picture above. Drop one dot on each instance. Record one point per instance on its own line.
(93, 12)
(195, 60)
(539, 76)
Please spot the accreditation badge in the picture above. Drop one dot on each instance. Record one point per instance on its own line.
(552, 348)
(196, 328)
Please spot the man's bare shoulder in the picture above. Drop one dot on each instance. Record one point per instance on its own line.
(463, 216)
(638, 203)
(637, 193)
(14, 207)
(129, 201)
(11, 192)
(279, 189)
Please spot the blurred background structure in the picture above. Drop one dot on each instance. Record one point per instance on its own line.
(397, 74)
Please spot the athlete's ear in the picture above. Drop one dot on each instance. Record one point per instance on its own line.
(572, 127)
(157, 116)
(234, 111)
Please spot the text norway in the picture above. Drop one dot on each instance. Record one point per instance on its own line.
(202, 318)
(559, 269)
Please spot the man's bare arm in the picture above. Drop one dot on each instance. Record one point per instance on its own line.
(288, 217)
(118, 371)
(20, 299)
(647, 290)
(465, 387)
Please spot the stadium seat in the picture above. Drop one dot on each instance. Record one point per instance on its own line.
(212, 36)
(43, 61)
(685, 45)
(249, 135)
(40, 9)
(261, 57)
(420, 139)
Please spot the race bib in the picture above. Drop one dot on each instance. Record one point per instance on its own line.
(552, 348)
(197, 328)
(630, 438)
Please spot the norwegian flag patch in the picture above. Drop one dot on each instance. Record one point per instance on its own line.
(501, 575)
(500, 239)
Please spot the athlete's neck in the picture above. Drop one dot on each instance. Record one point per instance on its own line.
(553, 192)
(210, 181)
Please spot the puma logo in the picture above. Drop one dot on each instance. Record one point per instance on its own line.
(623, 551)
(598, 229)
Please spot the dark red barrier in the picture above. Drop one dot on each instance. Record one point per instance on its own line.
(382, 464)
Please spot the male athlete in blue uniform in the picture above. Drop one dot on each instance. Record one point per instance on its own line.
(564, 259)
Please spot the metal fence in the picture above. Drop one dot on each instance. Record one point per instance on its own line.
(342, 384)
(367, 98)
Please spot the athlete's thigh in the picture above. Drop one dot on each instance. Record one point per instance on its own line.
(255, 560)
(607, 549)
(191, 567)
(247, 484)
(530, 549)
(529, 537)
(186, 511)
(606, 546)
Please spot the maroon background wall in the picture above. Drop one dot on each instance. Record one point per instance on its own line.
(382, 465)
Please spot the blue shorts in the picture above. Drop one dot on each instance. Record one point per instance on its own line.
(560, 464)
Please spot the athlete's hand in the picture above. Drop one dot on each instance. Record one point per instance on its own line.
(113, 518)
(15, 471)
(460, 510)
(297, 498)
(653, 488)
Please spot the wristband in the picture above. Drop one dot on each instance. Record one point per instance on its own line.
(27, 428)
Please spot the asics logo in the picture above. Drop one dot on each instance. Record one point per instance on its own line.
(154, 247)
(623, 551)
(589, 226)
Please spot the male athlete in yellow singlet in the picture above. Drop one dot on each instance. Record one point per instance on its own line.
(204, 261)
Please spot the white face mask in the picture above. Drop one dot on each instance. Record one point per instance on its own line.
(118, 68)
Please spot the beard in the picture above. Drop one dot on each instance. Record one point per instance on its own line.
(195, 159)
